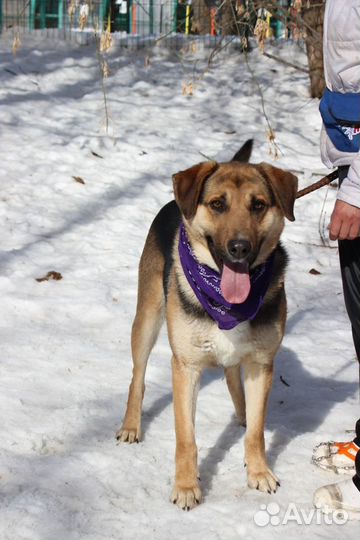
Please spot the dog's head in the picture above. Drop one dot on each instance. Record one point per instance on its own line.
(235, 215)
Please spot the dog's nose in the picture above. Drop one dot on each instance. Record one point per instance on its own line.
(239, 249)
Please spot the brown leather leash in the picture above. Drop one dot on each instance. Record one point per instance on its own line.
(320, 183)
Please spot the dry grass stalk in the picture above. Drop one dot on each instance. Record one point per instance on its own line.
(193, 47)
(16, 44)
(240, 9)
(106, 41)
(260, 32)
(274, 150)
(83, 16)
(71, 11)
(187, 88)
(105, 69)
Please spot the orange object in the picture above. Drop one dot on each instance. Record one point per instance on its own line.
(212, 21)
(348, 449)
(133, 10)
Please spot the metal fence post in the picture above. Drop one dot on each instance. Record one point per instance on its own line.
(61, 14)
(32, 14)
(42, 14)
(175, 21)
(151, 17)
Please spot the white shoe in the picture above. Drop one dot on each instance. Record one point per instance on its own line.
(343, 496)
(336, 457)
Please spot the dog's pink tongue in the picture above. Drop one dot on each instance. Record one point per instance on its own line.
(235, 283)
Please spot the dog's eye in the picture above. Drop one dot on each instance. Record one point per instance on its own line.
(218, 205)
(258, 205)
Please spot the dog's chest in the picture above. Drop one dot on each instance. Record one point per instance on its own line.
(227, 347)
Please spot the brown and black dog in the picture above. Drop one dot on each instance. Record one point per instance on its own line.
(233, 215)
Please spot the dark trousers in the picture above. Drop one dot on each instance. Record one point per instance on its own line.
(349, 251)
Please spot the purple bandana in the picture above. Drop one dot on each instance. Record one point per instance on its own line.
(205, 282)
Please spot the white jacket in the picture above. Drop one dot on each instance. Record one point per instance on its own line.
(342, 74)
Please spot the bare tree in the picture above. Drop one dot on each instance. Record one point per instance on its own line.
(303, 19)
(313, 17)
(300, 18)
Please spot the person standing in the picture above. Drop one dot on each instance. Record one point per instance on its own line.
(340, 145)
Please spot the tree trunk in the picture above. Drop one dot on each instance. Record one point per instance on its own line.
(313, 16)
(200, 22)
(237, 18)
(228, 19)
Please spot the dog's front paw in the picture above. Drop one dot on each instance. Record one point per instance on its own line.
(263, 480)
(128, 434)
(186, 497)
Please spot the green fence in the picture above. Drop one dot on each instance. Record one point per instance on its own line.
(46, 14)
(141, 17)
(137, 17)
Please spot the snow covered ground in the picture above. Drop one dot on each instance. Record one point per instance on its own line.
(65, 354)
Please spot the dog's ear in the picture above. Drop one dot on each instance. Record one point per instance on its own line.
(284, 186)
(188, 185)
(243, 155)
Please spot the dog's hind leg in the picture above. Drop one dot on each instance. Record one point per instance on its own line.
(147, 323)
(233, 380)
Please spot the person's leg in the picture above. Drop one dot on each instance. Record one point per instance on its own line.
(344, 457)
(349, 254)
(340, 457)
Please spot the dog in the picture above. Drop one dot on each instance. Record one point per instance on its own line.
(213, 266)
